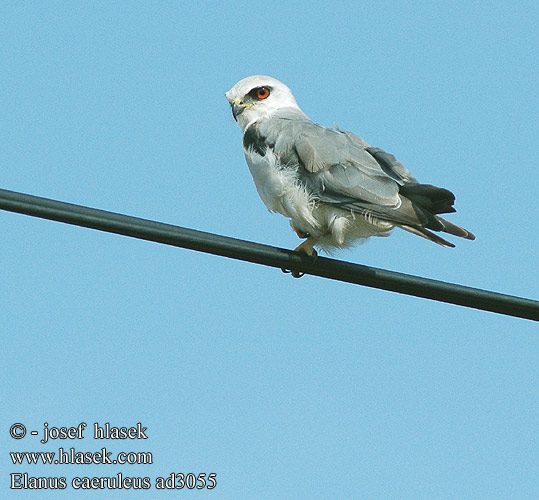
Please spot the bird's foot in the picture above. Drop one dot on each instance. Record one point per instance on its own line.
(307, 248)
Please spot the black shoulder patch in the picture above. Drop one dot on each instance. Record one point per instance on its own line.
(253, 140)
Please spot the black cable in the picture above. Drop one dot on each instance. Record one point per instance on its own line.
(267, 255)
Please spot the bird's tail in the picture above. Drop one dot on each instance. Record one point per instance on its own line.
(429, 201)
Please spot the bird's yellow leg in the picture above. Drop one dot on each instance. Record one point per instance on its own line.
(307, 247)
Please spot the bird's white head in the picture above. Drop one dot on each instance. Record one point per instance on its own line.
(257, 97)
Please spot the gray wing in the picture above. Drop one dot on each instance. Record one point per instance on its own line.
(340, 168)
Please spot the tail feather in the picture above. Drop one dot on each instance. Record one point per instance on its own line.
(455, 230)
(428, 201)
(425, 233)
(433, 199)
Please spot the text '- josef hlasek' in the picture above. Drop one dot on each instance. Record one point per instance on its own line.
(105, 432)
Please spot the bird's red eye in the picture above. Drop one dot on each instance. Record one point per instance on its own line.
(262, 92)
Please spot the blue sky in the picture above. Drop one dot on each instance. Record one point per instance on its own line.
(289, 389)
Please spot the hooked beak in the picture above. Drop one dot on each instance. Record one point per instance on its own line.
(237, 108)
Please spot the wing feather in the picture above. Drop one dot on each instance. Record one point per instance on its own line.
(331, 161)
(341, 169)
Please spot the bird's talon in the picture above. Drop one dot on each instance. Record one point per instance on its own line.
(295, 274)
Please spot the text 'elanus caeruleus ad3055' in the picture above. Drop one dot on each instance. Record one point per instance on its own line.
(335, 188)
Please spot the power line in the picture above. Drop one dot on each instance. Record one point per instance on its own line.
(267, 255)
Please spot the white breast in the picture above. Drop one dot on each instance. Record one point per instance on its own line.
(280, 191)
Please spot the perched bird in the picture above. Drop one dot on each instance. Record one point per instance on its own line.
(335, 188)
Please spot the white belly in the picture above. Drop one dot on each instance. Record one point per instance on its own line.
(281, 192)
